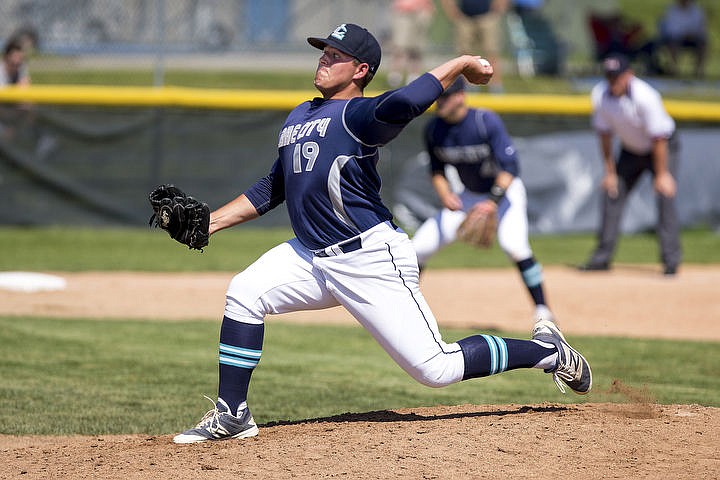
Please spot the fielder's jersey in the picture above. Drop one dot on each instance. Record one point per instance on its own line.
(479, 148)
(327, 158)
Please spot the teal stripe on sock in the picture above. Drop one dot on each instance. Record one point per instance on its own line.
(533, 276)
(239, 357)
(493, 354)
(503, 354)
(245, 352)
(237, 362)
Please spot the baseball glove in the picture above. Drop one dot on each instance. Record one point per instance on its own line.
(183, 217)
(479, 227)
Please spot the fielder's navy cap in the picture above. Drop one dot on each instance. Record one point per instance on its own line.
(457, 86)
(615, 64)
(353, 40)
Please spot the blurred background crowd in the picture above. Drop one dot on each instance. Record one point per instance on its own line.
(551, 37)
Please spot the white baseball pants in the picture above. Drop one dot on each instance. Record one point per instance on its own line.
(377, 284)
(512, 233)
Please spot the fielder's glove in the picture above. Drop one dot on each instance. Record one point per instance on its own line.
(479, 227)
(183, 217)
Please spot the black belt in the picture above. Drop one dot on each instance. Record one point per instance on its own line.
(344, 247)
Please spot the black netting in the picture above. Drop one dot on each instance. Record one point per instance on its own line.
(95, 166)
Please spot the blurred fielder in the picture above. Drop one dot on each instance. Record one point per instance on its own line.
(476, 144)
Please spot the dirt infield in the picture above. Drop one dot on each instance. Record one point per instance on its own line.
(635, 301)
(629, 441)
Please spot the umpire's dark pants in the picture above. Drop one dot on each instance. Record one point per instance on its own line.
(629, 169)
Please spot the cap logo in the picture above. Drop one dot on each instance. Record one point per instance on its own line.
(339, 32)
(612, 64)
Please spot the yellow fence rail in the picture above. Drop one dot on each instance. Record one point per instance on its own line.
(169, 96)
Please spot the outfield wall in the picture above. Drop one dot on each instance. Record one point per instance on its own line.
(89, 155)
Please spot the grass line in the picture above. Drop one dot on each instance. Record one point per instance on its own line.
(66, 376)
(139, 249)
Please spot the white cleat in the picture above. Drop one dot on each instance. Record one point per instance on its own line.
(572, 368)
(219, 424)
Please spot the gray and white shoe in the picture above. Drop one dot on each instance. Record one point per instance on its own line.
(220, 424)
(571, 368)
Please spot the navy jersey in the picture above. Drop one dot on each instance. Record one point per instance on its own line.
(326, 170)
(479, 148)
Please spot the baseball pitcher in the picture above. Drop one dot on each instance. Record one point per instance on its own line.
(346, 249)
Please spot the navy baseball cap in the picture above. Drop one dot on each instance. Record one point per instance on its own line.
(614, 65)
(457, 86)
(353, 40)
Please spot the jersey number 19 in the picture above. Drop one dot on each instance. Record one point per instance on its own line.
(309, 151)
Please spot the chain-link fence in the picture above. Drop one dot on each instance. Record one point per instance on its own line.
(69, 27)
(146, 33)
(186, 34)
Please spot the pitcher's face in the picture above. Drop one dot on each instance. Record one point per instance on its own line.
(336, 70)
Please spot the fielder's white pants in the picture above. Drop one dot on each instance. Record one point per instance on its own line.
(512, 232)
(377, 284)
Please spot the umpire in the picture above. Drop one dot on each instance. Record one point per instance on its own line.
(630, 108)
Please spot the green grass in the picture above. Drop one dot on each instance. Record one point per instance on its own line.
(140, 249)
(700, 246)
(93, 377)
(64, 376)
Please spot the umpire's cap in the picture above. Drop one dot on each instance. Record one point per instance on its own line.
(615, 64)
(353, 40)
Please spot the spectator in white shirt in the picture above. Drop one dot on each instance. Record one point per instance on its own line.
(629, 108)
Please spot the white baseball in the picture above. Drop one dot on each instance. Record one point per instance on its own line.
(483, 62)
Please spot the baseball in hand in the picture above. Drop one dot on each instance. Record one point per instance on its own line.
(480, 75)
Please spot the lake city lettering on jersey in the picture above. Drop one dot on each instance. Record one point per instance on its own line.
(293, 133)
(463, 153)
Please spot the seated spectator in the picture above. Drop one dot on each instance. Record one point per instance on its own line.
(20, 119)
(683, 27)
(614, 34)
(13, 70)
